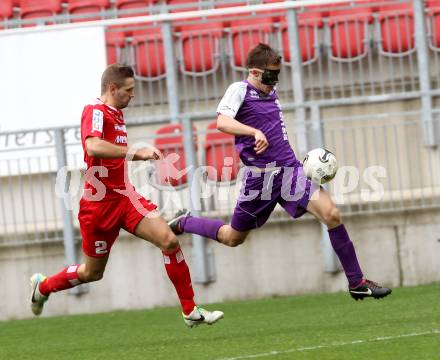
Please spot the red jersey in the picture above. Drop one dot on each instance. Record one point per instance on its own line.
(106, 122)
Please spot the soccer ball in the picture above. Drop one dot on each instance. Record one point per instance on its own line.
(320, 165)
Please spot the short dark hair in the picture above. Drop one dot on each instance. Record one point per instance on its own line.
(262, 56)
(115, 74)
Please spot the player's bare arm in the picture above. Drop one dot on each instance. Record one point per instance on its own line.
(231, 126)
(148, 154)
(100, 148)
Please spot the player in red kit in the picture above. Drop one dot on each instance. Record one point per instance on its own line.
(110, 203)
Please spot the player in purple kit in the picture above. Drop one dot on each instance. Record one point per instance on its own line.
(251, 111)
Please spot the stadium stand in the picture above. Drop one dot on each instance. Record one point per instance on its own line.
(309, 25)
(6, 9)
(245, 34)
(76, 7)
(221, 155)
(349, 32)
(349, 28)
(433, 11)
(182, 5)
(396, 29)
(226, 21)
(115, 44)
(177, 6)
(200, 47)
(133, 4)
(36, 9)
(329, 34)
(169, 141)
(117, 37)
(149, 53)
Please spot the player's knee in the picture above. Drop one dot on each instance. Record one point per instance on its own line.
(230, 237)
(333, 217)
(169, 242)
(234, 241)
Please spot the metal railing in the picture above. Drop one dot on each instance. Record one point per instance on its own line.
(346, 51)
(386, 154)
(370, 52)
(384, 166)
(30, 210)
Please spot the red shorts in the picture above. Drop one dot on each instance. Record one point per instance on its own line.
(101, 221)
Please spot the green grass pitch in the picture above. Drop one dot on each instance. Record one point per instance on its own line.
(405, 326)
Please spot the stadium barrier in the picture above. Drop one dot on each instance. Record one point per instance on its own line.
(384, 167)
(346, 50)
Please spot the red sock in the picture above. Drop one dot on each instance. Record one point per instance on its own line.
(178, 272)
(66, 279)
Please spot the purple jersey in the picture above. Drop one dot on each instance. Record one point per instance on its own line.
(245, 103)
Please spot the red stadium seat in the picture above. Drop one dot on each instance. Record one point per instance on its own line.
(245, 34)
(170, 143)
(115, 44)
(226, 22)
(16, 3)
(221, 155)
(149, 53)
(397, 28)
(190, 6)
(133, 4)
(348, 31)
(275, 13)
(433, 8)
(181, 5)
(374, 4)
(115, 40)
(308, 24)
(200, 47)
(5, 9)
(76, 7)
(32, 9)
(234, 4)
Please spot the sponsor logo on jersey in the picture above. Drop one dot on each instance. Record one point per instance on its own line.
(97, 120)
(120, 128)
(254, 94)
(121, 139)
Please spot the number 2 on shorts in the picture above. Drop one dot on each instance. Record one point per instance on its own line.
(101, 247)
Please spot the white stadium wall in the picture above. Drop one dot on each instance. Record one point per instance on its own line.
(279, 259)
(47, 77)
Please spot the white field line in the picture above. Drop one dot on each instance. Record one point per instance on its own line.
(308, 348)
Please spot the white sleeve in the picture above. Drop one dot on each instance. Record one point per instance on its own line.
(232, 100)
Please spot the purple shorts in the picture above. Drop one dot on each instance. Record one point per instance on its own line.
(261, 191)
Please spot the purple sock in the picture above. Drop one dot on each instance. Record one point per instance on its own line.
(347, 255)
(201, 226)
